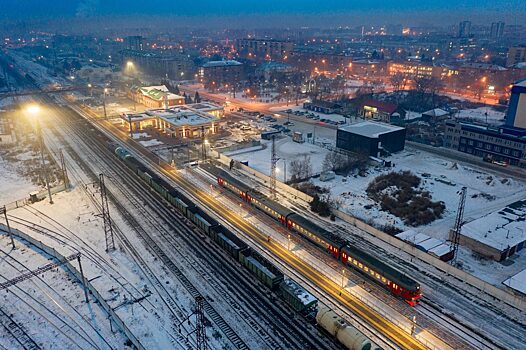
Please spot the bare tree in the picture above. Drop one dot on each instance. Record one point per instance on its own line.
(397, 80)
(334, 161)
(300, 169)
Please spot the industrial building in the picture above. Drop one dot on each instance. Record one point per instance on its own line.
(371, 138)
(181, 122)
(497, 235)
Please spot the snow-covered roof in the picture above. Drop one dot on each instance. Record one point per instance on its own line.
(159, 93)
(305, 297)
(370, 129)
(500, 229)
(437, 112)
(517, 282)
(441, 249)
(222, 63)
(429, 244)
(180, 116)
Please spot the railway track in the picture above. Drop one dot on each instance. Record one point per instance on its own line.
(17, 332)
(208, 308)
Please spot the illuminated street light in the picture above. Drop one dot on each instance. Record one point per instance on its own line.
(104, 102)
(33, 111)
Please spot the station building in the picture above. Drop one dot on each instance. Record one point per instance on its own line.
(155, 96)
(497, 235)
(371, 138)
(181, 122)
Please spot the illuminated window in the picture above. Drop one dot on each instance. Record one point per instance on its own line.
(360, 265)
(384, 280)
(355, 262)
(366, 269)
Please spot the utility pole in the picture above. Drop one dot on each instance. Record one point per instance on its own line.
(64, 170)
(44, 170)
(4, 211)
(108, 229)
(104, 102)
(273, 160)
(203, 143)
(458, 223)
(200, 324)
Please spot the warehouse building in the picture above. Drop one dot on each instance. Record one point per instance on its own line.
(371, 138)
(497, 235)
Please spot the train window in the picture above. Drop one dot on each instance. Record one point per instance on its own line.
(378, 276)
(366, 269)
(383, 279)
(372, 273)
(360, 265)
(355, 262)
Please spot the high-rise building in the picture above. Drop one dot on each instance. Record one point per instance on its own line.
(133, 43)
(497, 30)
(464, 29)
(516, 117)
(516, 55)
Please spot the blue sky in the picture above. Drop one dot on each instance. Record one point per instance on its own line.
(70, 8)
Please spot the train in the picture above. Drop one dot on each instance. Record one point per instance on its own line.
(292, 293)
(346, 334)
(399, 284)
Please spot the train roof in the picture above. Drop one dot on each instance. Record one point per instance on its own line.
(335, 240)
(387, 271)
(272, 204)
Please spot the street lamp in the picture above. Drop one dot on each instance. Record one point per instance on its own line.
(104, 102)
(343, 276)
(90, 87)
(33, 111)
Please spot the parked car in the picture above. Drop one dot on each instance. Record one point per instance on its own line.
(288, 111)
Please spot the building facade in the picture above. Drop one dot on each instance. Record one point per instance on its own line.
(371, 138)
(215, 74)
(516, 116)
(489, 143)
(516, 55)
(155, 96)
(264, 49)
(175, 66)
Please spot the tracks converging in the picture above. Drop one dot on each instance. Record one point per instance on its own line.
(291, 335)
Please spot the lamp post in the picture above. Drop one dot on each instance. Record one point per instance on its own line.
(343, 276)
(33, 111)
(90, 87)
(104, 102)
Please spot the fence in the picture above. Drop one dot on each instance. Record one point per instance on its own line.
(516, 301)
(40, 196)
(52, 252)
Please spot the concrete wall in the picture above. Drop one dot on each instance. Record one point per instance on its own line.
(94, 293)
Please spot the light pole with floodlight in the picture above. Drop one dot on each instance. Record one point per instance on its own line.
(33, 111)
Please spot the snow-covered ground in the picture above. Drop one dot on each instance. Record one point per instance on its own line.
(517, 281)
(482, 115)
(287, 151)
(12, 186)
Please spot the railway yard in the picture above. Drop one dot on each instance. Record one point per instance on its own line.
(183, 240)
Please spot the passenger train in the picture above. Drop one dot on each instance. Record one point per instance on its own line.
(395, 281)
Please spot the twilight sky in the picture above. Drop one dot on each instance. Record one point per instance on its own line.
(439, 11)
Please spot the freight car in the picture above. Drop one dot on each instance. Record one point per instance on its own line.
(346, 334)
(297, 297)
(396, 282)
(265, 271)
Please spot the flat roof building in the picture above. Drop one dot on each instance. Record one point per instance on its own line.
(372, 138)
(497, 235)
(181, 122)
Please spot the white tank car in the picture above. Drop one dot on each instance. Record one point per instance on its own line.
(346, 334)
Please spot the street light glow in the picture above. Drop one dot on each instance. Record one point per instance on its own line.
(33, 109)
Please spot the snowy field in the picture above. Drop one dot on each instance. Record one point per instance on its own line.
(482, 115)
(12, 186)
(287, 151)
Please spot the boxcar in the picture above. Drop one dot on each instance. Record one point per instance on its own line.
(296, 296)
(262, 268)
(227, 240)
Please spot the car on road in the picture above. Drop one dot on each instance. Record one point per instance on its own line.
(288, 123)
(288, 111)
(245, 127)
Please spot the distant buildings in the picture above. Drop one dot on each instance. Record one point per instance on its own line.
(326, 107)
(516, 55)
(371, 138)
(155, 96)
(133, 43)
(264, 49)
(7, 132)
(378, 110)
(497, 30)
(368, 68)
(174, 65)
(214, 74)
(464, 29)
